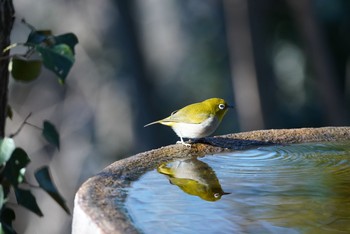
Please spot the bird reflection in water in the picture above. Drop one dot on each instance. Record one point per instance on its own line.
(194, 177)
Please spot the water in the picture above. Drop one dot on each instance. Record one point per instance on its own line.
(301, 188)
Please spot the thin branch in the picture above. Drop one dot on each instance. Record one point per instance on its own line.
(34, 126)
(10, 56)
(10, 47)
(28, 25)
(20, 127)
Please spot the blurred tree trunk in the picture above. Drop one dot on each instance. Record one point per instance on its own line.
(259, 12)
(321, 61)
(139, 85)
(7, 19)
(243, 71)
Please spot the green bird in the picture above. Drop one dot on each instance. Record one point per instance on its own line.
(196, 120)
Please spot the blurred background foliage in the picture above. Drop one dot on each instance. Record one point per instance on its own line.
(282, 63)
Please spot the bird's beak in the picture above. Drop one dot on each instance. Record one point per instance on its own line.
(230, 106)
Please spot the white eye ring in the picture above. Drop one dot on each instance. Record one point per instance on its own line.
(222, 106)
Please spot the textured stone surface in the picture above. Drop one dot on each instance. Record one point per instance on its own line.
(97, 203)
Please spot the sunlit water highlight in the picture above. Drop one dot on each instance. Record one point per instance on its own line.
(301, 188)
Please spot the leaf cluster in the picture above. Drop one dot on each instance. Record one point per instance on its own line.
(13, 163)
(56, 53)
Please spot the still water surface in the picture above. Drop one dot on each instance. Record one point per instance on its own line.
(301, 188)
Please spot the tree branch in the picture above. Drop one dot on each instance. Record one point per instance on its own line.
(7, 19)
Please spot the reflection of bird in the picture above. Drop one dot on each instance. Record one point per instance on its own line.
(197, 120)
(194, 177)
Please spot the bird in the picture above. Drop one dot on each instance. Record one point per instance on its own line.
(197, 120)
(194, 177)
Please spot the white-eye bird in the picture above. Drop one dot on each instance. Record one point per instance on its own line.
(196, 120)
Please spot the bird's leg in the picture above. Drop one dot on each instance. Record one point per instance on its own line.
(182, 142)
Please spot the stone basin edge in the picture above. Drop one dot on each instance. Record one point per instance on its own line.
(97, 204)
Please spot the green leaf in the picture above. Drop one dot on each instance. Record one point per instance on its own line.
(6, 217)
(12, 171)
(43, 177)
(9, 112)
(69, 39)
(59, 59)
(57, 51)
(51, 134)
(21, 175)
(65, 51)
(26, 199)
(36, 37)
(45, 38)
(25, 70)
(7, 146)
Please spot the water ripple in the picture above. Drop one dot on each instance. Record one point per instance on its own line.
(301, 188)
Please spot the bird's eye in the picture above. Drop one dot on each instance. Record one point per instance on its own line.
(222, 106)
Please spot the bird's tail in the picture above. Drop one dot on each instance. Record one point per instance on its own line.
(155, 122)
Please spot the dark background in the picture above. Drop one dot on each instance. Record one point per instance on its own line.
(282, 63)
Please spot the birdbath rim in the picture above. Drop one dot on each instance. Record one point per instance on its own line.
(98, 202)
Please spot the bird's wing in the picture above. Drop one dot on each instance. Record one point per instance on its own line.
(191, 115)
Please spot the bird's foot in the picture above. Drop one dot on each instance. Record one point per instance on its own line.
(183, 143)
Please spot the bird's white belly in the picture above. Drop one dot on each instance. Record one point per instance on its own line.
(203, 129)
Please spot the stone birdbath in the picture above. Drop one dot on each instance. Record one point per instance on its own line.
(99, 208)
